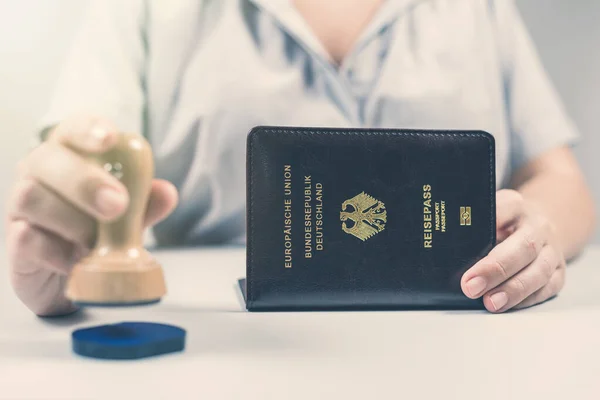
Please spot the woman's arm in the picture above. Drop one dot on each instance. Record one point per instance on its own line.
(555, 185)
(545, 216)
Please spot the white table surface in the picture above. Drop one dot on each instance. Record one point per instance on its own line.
(551, 351)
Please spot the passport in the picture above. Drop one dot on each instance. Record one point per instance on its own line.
(366, 219)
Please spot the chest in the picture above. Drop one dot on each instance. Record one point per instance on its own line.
(337, 24)
(421, 71)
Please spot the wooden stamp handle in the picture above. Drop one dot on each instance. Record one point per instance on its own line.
(130, 161)
(119, 270)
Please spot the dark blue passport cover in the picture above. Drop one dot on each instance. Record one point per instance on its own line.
(366, 218)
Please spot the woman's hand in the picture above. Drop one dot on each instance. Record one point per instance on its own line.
(54, 206)
(527, 265)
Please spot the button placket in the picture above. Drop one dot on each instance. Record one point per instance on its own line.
(341, 80)
(362, 70)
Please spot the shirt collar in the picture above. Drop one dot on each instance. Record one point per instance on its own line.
(292, 22)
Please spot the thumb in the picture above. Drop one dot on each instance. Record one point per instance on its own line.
(162, 201)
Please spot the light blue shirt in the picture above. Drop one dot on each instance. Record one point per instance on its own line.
(195, 76)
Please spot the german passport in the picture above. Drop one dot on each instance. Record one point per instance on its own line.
(366, 219)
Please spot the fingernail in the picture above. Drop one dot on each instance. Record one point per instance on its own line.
(499, 300)
(109, 201)
(475, 286)
(98, 135)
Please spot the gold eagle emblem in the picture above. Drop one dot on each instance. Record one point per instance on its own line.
(367, 214)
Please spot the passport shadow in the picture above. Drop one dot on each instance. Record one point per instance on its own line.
(465, 312)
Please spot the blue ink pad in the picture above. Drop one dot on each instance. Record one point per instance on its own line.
(128, 340)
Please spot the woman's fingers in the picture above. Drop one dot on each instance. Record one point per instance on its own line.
(504, 261)
(31, 247)
(35, 203)
(42, 291)
(86, 134)
(528, 281)
(81, 183)
(549, 290)
(163, 200)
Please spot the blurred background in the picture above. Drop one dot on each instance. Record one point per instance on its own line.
(35, 36)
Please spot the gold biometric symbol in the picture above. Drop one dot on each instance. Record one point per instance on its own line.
(367, 214)
(465, 216)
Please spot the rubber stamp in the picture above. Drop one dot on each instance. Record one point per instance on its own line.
(119, 271)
